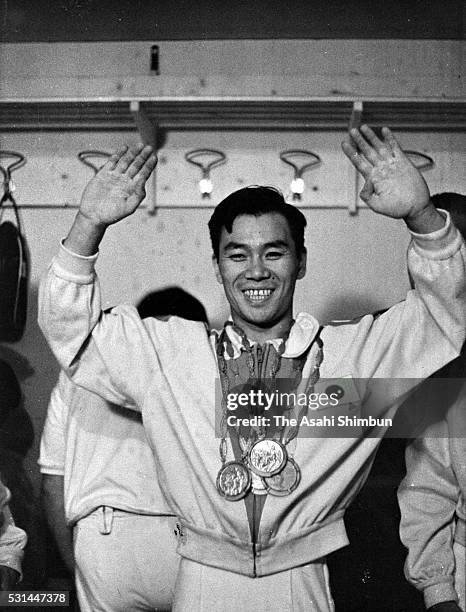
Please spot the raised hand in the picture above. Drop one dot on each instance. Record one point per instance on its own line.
(393, 186)
(119, 187)
(113, 194)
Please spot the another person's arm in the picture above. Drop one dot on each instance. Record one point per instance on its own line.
(428, 497)
(52, 495)
(52, 467)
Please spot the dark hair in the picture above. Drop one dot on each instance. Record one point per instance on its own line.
(10, 391)
(255, 201)
(171, 301)
(455, 204)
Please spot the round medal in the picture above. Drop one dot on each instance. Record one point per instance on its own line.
(267, 457)
(286, 481)
(233, 480)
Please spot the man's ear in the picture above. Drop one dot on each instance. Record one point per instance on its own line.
(302, 264)
(218, 276)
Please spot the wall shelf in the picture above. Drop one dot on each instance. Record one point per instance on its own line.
(152, 117)
(229, 113)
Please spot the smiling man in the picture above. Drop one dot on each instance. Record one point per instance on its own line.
(260, 507)
(259, 254)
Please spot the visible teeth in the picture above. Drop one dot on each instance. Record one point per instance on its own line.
(258, 294)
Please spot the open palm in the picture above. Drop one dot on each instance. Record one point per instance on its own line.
(119, 187)
(393, 186)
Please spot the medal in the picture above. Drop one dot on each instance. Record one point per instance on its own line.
(233, 480)
(267, 457)
(257, 483)
(286, 481)
(265, 465)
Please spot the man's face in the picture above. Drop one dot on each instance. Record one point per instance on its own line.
(258, 267)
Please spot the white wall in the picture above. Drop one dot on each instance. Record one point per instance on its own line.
(401, 68)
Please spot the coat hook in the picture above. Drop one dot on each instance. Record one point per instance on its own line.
(421, 161)
(300, 160)
(195, 157)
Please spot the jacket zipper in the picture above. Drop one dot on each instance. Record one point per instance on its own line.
(260, 353)
(254, 535)
(259, 362)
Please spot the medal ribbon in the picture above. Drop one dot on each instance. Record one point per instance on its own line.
(285, 434)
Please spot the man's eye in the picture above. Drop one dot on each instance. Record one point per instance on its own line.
(237, 257)
(274, 255)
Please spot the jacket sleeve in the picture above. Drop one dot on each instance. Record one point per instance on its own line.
(12, 538)
(416, 337)
(109, 353)
(428, 497)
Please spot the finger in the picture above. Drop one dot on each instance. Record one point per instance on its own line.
(140, 191)
(147, 169)
(139, 161)
(375, 141)
(392, 141)
(358, 160)
(369, 152)
(367, 191)
(127, 159)
(114, 158)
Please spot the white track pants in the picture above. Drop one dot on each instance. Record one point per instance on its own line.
(200, 588)
(125, 562)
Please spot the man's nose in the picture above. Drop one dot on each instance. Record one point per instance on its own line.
(257, 270)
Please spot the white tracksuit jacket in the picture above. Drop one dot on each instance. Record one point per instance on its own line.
(168, 370)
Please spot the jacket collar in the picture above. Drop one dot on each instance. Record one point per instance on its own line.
(302, 334)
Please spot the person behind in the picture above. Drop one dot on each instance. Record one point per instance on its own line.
(248, 540)
(432, 496)
(16, 439)
(100, 490)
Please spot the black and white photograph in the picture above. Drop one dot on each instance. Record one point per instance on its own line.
(233, 306)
